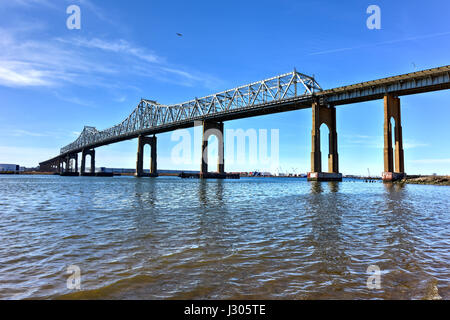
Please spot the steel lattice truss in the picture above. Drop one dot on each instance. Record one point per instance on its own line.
(149, 114)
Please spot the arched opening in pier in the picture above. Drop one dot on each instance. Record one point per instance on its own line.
(72, 165)
(88, 163)
(392, 137)
(146, 158)
(213, 153)
(324, 146)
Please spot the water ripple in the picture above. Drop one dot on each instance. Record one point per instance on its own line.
(169, 238)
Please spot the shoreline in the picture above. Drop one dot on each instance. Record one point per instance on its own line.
(413, 179)
(427, 180)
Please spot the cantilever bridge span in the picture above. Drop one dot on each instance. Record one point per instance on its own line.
(290, 91)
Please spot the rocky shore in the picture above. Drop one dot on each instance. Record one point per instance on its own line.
(434, 180)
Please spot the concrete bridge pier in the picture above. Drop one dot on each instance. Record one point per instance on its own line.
(67, 170)
(392, 111)
(67, 164)
(49, 166)
(85, 153)
(142, 141)
(74, 157)
(324, 115)
(62, 165)
(213, 128)
(76, 163)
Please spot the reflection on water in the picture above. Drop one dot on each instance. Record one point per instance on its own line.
(334, 186)
(317, 187)
(251, 238)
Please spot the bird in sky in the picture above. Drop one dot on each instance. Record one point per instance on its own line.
(179, 34)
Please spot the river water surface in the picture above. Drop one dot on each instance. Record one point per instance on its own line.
(254, 238)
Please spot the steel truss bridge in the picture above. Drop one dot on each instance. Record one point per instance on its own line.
(151, 117)
(286, 92)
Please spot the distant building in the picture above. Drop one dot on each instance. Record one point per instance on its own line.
(117, 170)
(128, 171)
(9, 168)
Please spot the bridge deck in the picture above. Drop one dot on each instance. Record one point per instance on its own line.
(410, 83)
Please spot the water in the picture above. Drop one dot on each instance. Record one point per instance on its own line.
(259, 238)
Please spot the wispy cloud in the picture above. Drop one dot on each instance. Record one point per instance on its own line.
(22, 133)
(431, 161)
(22, 74)
(25, 63)
(119, 46)
(411, 144)
(357, 140)
(28, 3)
(57, 5)
(85, 62)
(120, 99)
(74, 100)
(29, 133)
(99, 12)
(434, 35)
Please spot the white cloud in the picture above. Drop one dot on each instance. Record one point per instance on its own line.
(150, 64)
(118, 46)
(22, 74)
(84, 62)
(120, 99)
(411, 144)
(431, 161)
(357, 140)
(57, 5)
(21, 133)
(99, 12)
(353, 140)
(421, 37)
(25, 63)
(28, 3)
(75, 100)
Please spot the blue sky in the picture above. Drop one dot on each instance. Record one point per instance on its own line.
(54, 81)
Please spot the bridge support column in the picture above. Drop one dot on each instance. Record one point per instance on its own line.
(142, 141)
(213, 128)
(76, 163)
(73, 157)
(392, 111)
(67, 161)
(68, 170)
(326, 115)
(85, 153)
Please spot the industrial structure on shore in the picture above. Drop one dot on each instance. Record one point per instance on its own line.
(10, 168)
